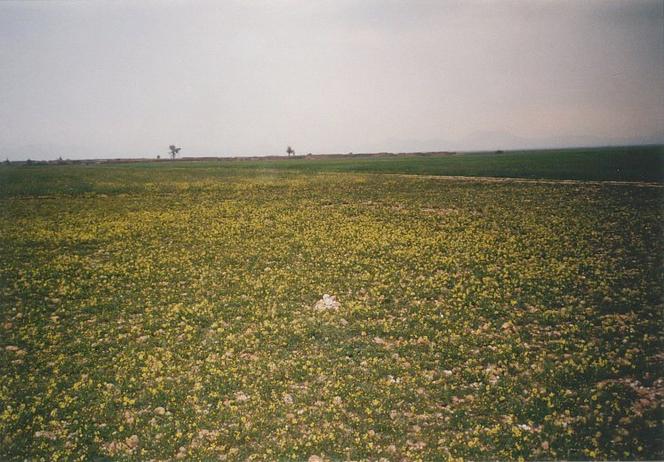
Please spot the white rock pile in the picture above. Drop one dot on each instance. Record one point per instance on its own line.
(328, 302)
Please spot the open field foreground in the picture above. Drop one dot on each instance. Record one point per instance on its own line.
(165, 315)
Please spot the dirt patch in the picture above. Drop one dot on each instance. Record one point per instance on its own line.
(492, 179)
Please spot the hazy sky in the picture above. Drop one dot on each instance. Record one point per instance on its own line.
(99, 79)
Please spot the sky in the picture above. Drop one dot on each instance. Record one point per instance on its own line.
(95, 79)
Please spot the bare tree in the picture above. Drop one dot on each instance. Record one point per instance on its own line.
(290, 151)
(174, 151)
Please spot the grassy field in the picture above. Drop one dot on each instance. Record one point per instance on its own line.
(166, 311)
(636, 163)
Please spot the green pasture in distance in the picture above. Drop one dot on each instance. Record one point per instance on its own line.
(638, 163)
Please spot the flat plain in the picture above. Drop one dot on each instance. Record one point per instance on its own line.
(166, 310)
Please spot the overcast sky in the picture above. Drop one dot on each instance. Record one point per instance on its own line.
(99, 79)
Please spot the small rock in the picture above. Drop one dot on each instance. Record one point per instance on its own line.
(132, 442)
(12, 348)
(241, 396)
(128, 417)
(315, 458)
(159, 410)
(45, 434)
(288, 399)
(328, 302)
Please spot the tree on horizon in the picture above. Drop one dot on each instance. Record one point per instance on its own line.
(173, 151)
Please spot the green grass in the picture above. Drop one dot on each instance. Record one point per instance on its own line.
(616, 164)
(641, 163)
(165, 310)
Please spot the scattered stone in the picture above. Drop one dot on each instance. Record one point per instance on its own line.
(416, 445)
(159, 410)
(328, 302)
(315, 458)
(132, 442)
(241, 396)
(249, 356)
(12, 348)
(45, 434)
(208, 434)
(447, 373)
(128, 417)
(288, 399)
